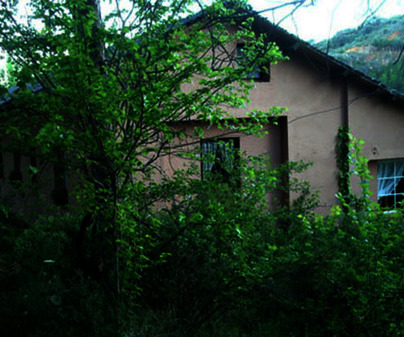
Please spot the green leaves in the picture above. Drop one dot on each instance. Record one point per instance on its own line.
(109, 107)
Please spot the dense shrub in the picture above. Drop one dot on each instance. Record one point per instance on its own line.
(220, 263)
(44, 292)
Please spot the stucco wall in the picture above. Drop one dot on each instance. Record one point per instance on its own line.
(315, 102)
(270, 143)
(314, 109)
(253, 145)
(379, 122)
(314, 115)
(321, 96)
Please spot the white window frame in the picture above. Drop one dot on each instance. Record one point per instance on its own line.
(389, 174)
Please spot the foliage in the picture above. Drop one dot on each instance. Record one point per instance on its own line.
(101, 98)
(43, 290)
(338, 277)
(214, 258)
(220, 263)
(108, 93)
(342, 148)
(351, 163)
(239, 270)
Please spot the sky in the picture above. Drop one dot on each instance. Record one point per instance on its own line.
(322, 19)
(326, 17)
(318, 21)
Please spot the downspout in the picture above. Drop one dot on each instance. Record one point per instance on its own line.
(344, 102)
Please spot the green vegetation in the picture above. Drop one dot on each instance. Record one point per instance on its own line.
(214, 265)
(372, 48)
(141, 254)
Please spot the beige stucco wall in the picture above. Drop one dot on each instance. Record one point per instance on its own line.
(253, 145)
(314, 115)
(379, 122)
(313, 103)
(269, 143)
(315, 112)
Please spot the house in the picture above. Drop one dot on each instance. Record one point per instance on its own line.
(321, 95)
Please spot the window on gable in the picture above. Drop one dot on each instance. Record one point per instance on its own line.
(390, 183)
(258, 74)
(220, 158)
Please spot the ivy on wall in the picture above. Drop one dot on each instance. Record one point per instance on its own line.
(342, 149)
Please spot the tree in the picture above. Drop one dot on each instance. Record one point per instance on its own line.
(107, 92)
(217, 261)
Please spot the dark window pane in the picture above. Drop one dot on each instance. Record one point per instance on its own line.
(220, 159)
(257, 73)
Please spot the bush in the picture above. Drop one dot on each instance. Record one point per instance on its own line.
(218, 262)
(44, 292)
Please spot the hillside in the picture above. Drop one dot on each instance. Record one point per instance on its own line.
(372, 48)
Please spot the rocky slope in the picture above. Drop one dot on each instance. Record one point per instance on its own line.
(374, 48)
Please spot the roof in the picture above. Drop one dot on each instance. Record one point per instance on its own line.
(291, 44)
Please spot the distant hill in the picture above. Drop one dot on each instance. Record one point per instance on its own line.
(372, 48)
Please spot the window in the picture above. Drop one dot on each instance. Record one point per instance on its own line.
(220, 159)
(258, 73)
(390, 183)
